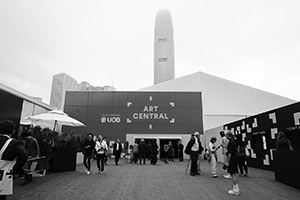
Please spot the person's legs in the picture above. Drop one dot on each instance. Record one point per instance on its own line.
(98, 162)
(199, 162)
(105, 159)
(213, 166)
(117, 157)
(140, 158)
(89, 163)
(28, 177)
(240, 164)
(102, 163)
(85, 163)
(194, 159)
(245, 166)
(236, 189)
(135, 157)
(165, 157)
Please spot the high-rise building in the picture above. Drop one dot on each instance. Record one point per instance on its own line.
(108, 88)
(61, 82)
(164, 63)
(83, 85)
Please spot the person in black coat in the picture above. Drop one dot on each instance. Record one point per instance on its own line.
(15, 149)
(154, 150)
(142, 151)
(193, 149)
(117, 150)
(180, 151)
(88, 152)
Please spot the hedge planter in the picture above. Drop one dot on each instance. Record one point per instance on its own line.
(64, 159)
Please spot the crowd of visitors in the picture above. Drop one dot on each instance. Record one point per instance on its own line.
(16, 156)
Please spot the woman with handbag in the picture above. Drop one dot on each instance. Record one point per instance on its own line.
(101, 147)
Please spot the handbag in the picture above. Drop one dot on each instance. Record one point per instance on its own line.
(247, 152)
(107, 152)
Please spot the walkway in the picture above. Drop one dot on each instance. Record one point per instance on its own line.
(160, 182)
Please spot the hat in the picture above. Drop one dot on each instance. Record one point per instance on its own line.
(196, 133)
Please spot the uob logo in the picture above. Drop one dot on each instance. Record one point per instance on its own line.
(110, 119)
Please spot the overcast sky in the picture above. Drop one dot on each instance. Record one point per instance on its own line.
(256, 43)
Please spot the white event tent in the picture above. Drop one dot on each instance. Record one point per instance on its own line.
(223, 101)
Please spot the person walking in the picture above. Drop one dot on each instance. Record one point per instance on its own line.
(213, 156)
(13, 156)
(165, 153)
(142, 151)
(117, 150)
(154, 150)
(180, 151)
(149, 151)
(100, 147)
(88, 151)
(192, 149)
(241, 155)
(135, 151)
(170, 152)
(232, 164)
(33, 149)
(224, 143)
(106, 153)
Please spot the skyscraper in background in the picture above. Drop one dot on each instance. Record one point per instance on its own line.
(61, 82)
(164, 63)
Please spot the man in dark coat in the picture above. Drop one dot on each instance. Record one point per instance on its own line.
(180, 151)
(14, 150)
(154, 150)
(142, 151)
(117, 150)
(193, 148)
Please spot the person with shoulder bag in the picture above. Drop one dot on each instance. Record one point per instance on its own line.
(192, 149)
(13, 156)
(101, 147)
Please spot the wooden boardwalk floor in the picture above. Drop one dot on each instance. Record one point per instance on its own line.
(159, 182)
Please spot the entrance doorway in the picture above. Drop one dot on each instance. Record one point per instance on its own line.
(163, 142)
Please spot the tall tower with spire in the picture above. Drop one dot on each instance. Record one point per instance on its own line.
(164, 64)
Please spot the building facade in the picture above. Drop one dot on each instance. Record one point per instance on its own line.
(164, 63)
(130, 116)
(60, 84)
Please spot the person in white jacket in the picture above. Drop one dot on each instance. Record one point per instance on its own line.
(101, 147)
(213, 156)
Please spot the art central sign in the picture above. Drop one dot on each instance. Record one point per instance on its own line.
(150, 112)
(119, 113)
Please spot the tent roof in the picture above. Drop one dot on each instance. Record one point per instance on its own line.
(223, 97)
(24, 96)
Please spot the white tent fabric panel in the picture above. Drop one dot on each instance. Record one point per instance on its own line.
(211, 121)
(29, 109)
(223, 98)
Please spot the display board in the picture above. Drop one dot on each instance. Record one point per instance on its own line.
(260, 133)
